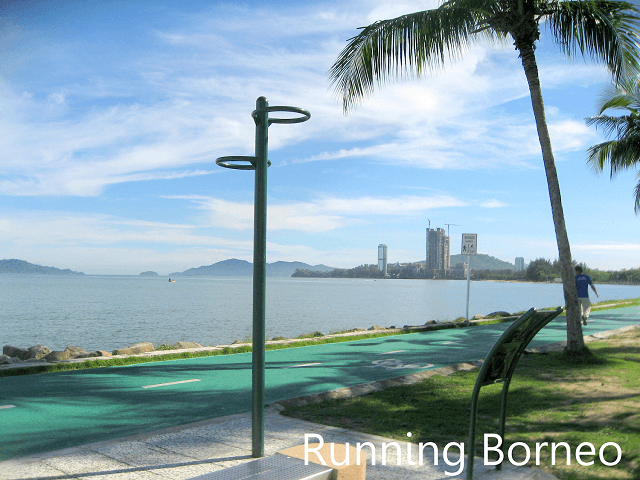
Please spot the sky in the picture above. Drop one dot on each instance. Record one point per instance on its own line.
(112, 114)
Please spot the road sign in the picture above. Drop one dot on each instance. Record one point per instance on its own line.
(469, 244)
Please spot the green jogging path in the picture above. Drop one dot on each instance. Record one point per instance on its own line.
(45, 412)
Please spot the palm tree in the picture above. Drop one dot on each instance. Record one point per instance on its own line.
(623, 152)
(412, 44)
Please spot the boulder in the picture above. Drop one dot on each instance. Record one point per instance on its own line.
(431, 322)
(135, 349)
(58, 356)
(180, 345)
(15, 352)
(377, 327)
(99, 353)
(478, 317)
(39, 351)
(5, 359)
(499, 314)
(76, 352)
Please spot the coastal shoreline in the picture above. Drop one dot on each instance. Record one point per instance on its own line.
(153, 354)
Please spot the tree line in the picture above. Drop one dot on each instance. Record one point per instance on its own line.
(539, 270)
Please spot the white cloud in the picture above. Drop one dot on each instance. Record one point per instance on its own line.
(320, 215)
(201, 105)
(493, 203)
(607, 247)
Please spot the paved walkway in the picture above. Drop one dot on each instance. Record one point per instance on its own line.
(197, 449)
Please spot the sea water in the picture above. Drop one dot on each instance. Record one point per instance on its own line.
(108, 312)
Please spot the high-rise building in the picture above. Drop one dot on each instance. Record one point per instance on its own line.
(438, 250)
(519, 264)
(382, 258)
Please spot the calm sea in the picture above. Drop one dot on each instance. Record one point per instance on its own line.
(108, 312)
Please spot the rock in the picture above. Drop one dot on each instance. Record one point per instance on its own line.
(478, 317)
(431, 322)
(99, 353)
(58, 356)
(13, 360)
(76, 352)
(16, 352)
(180, 345)
(5, 359)
(135, 349)
(377, 327)
(39, 351)
(499, 314)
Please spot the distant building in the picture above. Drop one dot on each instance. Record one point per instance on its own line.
(438, 250)
(519, 264)
(382, 258)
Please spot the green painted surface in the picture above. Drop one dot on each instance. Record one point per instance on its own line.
(64, 409)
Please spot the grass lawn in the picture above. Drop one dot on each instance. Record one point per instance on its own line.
(552, 398)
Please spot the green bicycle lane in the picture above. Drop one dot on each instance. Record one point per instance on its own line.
(40, 413)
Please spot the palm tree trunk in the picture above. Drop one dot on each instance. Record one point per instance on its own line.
(575, 341)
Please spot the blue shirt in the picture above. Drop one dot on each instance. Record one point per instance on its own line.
(582, 284)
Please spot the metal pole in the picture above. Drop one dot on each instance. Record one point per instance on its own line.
(259, 276)
(468, 286)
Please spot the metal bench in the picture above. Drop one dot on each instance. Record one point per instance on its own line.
(499, 366)
(275, 467)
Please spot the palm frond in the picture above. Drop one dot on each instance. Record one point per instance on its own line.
(621, 154)
(623, 94)
(403, 46)
(636, 194)
(618, 126)
(604, 30)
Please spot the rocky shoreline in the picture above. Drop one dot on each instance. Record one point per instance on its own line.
(38, 355)
(16, 356)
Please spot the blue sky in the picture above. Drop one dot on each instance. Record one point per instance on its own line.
(113, 113)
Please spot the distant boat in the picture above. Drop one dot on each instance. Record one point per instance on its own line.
(171, 280)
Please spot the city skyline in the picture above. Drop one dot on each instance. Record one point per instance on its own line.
(114, 113)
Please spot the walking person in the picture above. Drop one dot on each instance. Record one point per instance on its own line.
(582, 284)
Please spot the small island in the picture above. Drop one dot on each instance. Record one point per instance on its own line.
(20, 266)
(149, 274)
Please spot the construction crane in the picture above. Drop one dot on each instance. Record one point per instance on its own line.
(451, 225)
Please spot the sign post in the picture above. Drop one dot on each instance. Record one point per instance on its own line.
(469, 247)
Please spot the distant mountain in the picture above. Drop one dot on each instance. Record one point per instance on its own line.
(483, 261)
(149, 274)
(20, 266)
(242, 268)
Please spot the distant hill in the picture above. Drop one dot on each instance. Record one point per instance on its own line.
(242, 268)
(149, 274)
(483, 261)
(20, 266)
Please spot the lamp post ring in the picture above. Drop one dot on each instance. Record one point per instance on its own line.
(238, 162)
(305, 114)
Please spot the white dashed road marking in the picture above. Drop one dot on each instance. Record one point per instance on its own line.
(172, 383)
(304, 365)
(387, 353)
(4, 407)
